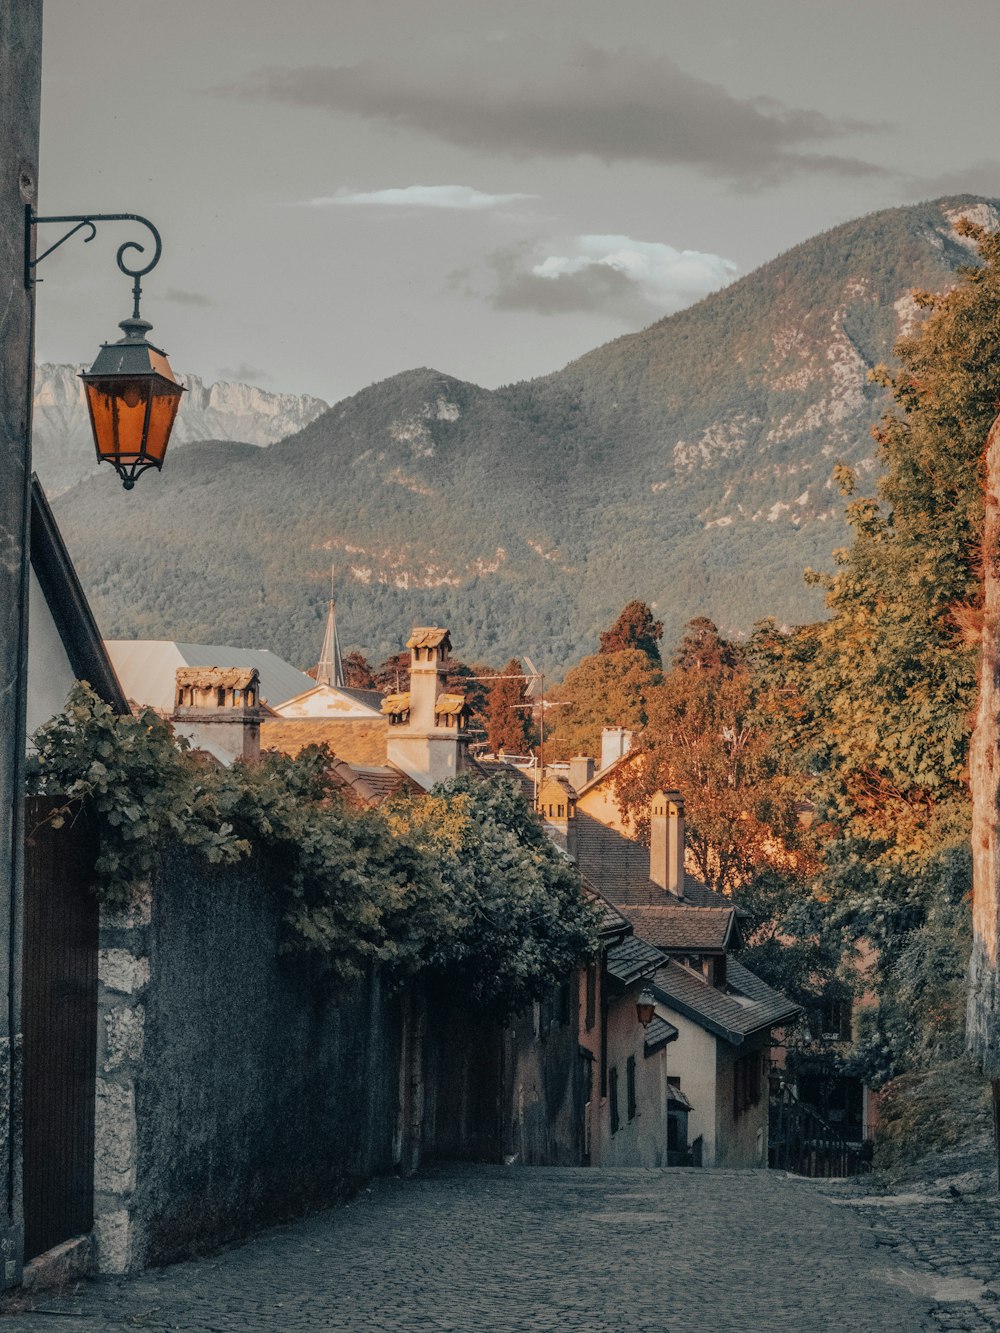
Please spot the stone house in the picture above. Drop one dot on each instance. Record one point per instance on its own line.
(716, 1100)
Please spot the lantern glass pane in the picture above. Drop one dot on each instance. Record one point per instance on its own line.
(118, 412)
(162, 411)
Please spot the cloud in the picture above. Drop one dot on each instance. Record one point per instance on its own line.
(614, 105)
(421, 196)
(243, 374)
(634, 281)
(187, 298)
(982, 178)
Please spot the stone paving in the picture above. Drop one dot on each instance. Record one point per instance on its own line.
(494, 1248)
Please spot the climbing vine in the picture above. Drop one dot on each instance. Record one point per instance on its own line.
(462, 884)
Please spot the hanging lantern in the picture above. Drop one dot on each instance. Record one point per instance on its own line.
(645, 1007)
(133, 399)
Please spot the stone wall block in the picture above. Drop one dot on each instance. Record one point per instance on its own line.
(113, 1241)
(115, 1138)
(122, 971)
(124, 1033)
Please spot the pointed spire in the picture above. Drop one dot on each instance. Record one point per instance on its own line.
(331, 665)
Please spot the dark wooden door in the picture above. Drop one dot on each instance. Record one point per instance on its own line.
(59, 1021)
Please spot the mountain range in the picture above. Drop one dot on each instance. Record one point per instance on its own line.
(62, 445)
(688, 464)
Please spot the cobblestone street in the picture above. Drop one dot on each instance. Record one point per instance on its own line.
(489, 1248)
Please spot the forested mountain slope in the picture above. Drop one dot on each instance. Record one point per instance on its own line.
(687, 465)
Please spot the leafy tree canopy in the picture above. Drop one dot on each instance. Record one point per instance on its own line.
(604, 690)
(508, 713)
(634, 628)
(463, 884)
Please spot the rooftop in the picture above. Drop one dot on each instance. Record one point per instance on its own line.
(620, 867)
(631, 959)
(147, 669)
(687, 929)
(747, 1005)
(428, 636)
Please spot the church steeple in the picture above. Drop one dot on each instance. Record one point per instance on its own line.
(331, 665)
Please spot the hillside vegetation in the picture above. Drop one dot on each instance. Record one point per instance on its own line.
(687, 465)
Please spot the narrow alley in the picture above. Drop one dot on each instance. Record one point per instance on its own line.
(642, 1251)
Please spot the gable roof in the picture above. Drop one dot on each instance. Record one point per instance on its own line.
(68, 605)
(658, 1034)
(633, 958)
(747, 1005)
(371, 784)
(146, 668)
(620, 867)
(371, 699)
(687, 929)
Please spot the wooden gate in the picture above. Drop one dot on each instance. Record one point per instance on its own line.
(59, 1021)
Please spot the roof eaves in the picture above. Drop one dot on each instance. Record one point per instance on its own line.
(71, 611)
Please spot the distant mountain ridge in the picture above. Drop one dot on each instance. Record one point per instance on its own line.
(688, 464)
(61, 429)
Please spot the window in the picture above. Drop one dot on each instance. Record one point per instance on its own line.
(613, 1098)
(747, 1073)
(630, 1087)
(591, 1012)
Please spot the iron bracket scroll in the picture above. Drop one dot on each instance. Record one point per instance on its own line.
(90, 220)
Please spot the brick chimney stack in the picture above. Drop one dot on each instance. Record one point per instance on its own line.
(218, 709)
(615, 742)
(426, 736)
(666, 841)
(581, 771)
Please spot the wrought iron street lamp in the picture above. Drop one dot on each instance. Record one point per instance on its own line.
(131, 391)
(645, 1007)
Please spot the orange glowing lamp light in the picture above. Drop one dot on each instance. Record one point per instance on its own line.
(133, 399)
(131, 391)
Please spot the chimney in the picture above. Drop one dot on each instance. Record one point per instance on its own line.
(426, 735)
(666, 841)
(581, 770)
(218, 709)
(615, 742)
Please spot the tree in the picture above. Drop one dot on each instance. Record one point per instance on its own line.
(358, 673)
(508, 714)
(709, 735)
(394, 673)
(634, 628)
(884, 690)
(603, 690)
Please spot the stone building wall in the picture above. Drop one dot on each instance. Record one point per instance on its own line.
(230, 1091)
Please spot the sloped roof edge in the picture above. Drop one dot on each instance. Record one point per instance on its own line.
(68, 603)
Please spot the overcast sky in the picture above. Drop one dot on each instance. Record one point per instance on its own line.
(351, 188)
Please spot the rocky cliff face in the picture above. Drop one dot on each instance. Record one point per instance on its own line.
(62, 446)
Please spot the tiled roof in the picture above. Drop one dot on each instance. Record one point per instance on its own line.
(686, 929)
(394, 704)
(612, 921)
(146, 669)
(631, 959)
(658, 1033)
(449, 705)
(679, 1098)
(620, 867)
(370, 698)
(213, 677)
(747, 1005)
(371, 784)
(427, 636)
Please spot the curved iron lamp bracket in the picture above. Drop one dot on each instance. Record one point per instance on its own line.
(90, 220)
